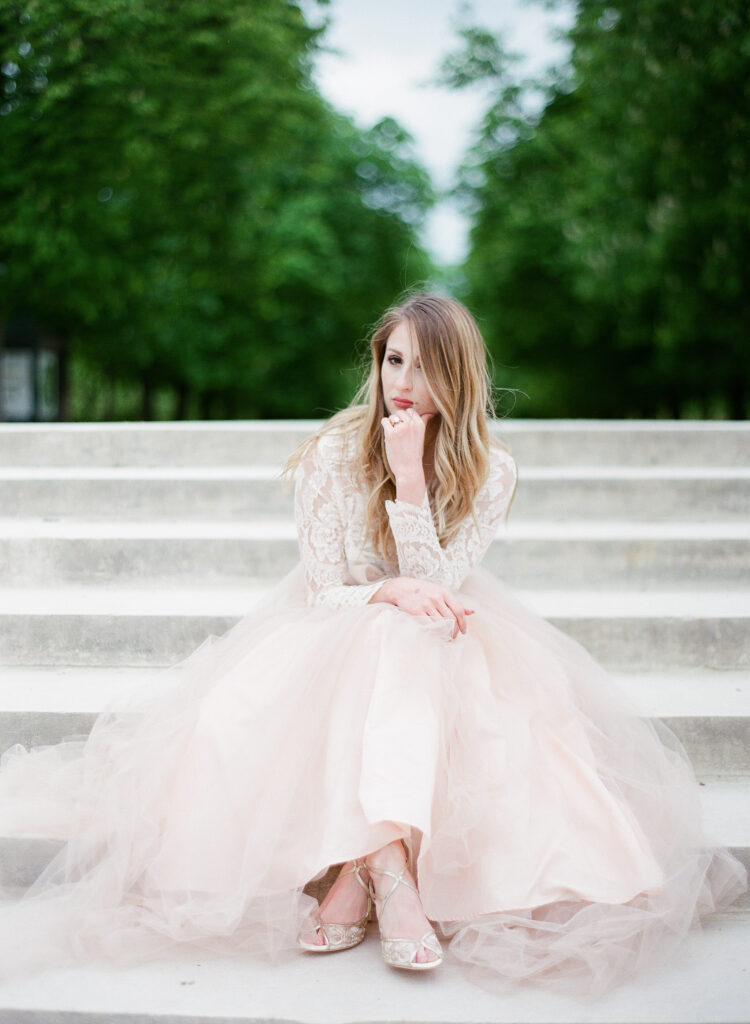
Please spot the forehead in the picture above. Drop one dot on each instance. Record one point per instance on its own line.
(402, 338)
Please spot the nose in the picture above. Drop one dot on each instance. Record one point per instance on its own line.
(403, 381)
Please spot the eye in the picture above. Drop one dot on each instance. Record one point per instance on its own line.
(394, 360)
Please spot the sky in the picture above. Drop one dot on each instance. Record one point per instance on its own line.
(382, 55)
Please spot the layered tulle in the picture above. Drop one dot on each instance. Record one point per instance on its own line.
(555, 834)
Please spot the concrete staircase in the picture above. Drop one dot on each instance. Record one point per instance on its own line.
(123, 545)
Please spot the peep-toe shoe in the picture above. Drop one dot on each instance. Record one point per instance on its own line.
(341, 936)
(402, 952)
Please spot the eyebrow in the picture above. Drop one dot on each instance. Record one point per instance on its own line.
(392, 348)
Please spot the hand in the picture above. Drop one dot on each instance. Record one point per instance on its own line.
(404, 443)
(423, 597)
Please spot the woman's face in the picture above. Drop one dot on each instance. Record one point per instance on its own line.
(401, 376)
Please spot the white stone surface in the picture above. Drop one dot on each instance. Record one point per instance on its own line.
(655, 469)
(102, 600)
(631, 474)
(635, 473)
(541, 442)
(133, 474)
(708, 983)
(78, 529)
(284, 528)
(612, 529)
(690, 693)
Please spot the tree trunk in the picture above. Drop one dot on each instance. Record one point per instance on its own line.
(207, 404)
(147, 399)
(109, 407)
(63, 414)
(180, 412)
(738, 399)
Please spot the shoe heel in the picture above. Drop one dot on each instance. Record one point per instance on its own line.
(401, 953)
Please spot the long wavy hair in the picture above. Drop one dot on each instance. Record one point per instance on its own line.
(453, 357)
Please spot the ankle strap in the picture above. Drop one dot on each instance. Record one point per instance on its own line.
(355, 869)
(399, 880)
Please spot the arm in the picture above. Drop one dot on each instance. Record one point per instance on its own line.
(419, 552)
(320, 531)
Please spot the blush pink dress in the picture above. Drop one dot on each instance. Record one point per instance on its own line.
(554, 833)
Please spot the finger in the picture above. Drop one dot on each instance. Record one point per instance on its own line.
(439, 612)
(458, 611)
(449, 613)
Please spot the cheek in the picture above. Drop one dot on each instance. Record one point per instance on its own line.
(425, 398)
(385, 383)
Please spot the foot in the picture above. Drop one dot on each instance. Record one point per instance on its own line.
(403, 916)
(344, 903)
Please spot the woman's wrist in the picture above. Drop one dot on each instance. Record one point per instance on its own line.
(411, 487)
(384, 594)
(392, 590)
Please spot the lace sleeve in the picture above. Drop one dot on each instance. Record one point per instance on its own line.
(320, 519)
(419, 551)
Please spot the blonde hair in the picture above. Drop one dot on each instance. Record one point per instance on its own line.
(454, 360)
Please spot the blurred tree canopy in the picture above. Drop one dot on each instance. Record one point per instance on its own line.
(180, 202)
(610, 253)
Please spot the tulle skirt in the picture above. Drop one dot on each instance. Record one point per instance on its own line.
(554, 833)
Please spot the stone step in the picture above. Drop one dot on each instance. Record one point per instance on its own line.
(533, 442)
(216, 443)
(665, 539)
(231, 493)
(650, 630)
(80, 688)
(706, 983)
(226, 493)
(708, 711)
(575, 554)
(723, 809)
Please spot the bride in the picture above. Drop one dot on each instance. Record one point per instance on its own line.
(391, 708)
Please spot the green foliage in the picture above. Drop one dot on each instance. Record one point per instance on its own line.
(181, 204)
(611, 242)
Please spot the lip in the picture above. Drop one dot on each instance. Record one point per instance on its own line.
(403, 403)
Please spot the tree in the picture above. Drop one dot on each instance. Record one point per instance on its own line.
(182, 204)
(610, 246)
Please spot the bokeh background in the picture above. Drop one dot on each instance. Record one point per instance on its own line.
(205, 204)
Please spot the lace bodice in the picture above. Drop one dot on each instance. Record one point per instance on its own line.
(341, 566)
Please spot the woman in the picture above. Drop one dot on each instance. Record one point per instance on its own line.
(389, 708)
(391, 443)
